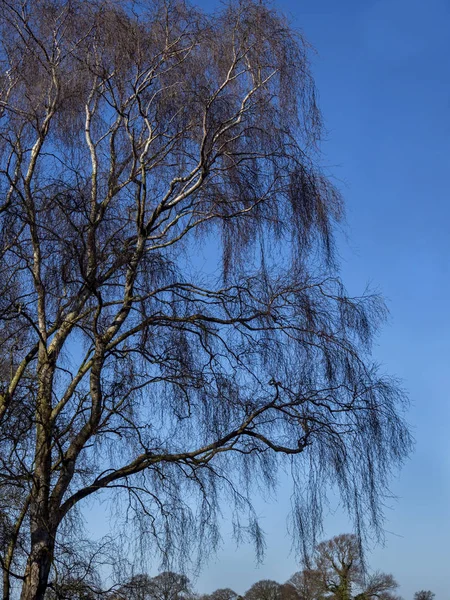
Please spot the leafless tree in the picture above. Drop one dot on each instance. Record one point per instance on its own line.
(170, 586)
(424, 595)
(221, 594)
(379, 585)
(266, 589)
(136, 588)
(339, 562)
(72, 589)
(164, 586)
(308, 584)
(339, 573)
(289, 592)
(134, 135)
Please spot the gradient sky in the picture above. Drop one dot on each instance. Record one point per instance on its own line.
(382, 70)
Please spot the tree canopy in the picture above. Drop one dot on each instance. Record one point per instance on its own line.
(135, 136)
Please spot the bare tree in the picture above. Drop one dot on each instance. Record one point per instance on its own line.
(339, 562)
(221, 594)
(288, 592)
(164, 586)
(266, 589)
(72, 589)
(170, 586)
(136, 588)
(340, 573)
(308, 584)
(131, 135)
(379, 585)
(424, 595)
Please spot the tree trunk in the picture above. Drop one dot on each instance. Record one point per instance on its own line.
(6, 585)
(42, 526)
(38, 566)
(344, 591)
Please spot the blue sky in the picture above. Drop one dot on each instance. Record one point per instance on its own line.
(382, 71)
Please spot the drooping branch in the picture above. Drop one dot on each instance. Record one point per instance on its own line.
(132, 143)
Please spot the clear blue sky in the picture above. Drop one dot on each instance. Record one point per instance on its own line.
(382, 70)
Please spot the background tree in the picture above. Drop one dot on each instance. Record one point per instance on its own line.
(266, 589)
(167, 585)
(138, 587)
(288, 592)
(221, 594)
(338, 572)
(339, 562)
(72, 589)
(308, 584)
(379, 585)
(132, 134)
(424, 595)
(170, 586)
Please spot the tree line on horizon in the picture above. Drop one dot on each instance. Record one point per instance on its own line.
(336, 572)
